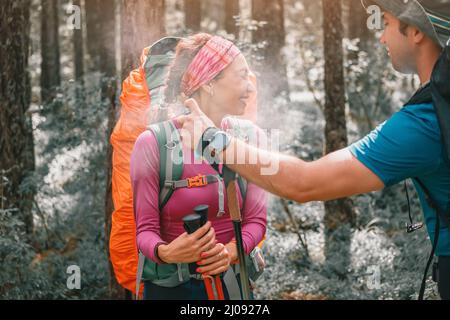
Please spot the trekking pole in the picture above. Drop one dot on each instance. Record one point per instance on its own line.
(191, 224)
(235, 213)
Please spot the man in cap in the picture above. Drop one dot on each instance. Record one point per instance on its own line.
(408, 145)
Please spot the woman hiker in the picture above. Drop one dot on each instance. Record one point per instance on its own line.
(214, 72)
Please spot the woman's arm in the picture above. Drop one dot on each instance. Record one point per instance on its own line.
(144, 170)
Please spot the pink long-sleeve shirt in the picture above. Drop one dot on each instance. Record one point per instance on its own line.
(154, 228)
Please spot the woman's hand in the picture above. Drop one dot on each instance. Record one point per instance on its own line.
(215, 261)
(232, 249)
(187, 248)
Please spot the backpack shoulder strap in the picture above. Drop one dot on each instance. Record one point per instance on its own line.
(440, 215)
(440, 93)
(171, 158)
(243, 186)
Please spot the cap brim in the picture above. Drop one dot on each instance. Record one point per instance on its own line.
(394, 6)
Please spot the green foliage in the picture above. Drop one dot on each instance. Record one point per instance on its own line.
(71, 136)
(14, 254)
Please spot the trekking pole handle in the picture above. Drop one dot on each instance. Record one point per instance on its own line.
(202, 210)
(192, 223)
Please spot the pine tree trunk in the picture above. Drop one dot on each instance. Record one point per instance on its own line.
(78, 50)
(193, 12)
(357, 29)
(50, 65)
(272, 70)
(215, 11)
(357, 23)
(231, 10)
(338, 214)
(16, 134)
(100, 25)
(143, 23)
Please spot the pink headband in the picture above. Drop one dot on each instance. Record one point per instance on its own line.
(215, 56)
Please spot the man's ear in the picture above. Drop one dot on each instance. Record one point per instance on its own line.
(417, 35)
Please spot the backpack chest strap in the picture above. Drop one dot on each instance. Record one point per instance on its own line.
(194, 182)
(198, 182)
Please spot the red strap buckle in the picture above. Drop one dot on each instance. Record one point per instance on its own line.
(198, 181)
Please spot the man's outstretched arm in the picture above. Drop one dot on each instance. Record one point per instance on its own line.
(334, 176)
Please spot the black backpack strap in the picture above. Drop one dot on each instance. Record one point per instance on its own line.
(243, 186)
(440, 92)
(430, 258)
(440, 215)
(423, 95)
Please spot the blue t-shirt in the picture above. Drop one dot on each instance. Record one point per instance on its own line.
(409, 145)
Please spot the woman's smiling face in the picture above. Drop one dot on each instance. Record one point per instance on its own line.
(232, 89)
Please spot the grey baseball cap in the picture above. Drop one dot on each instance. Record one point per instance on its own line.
(432, 17)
